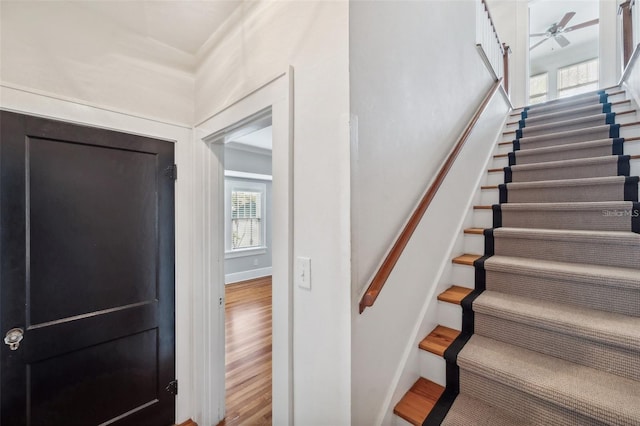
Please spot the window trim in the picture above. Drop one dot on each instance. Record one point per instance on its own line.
(577, 86)
(231, 185)
(539, 95)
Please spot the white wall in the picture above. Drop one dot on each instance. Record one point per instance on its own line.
(64, 49)
(260, 42)
(416, 80)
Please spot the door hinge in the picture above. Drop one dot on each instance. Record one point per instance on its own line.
(220, 301)
(172, 387)
(171, 172)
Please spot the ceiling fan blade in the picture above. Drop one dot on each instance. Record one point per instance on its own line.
(537, 35)
(538, 44)
(566, 18)
(562, 40)
(583, 25)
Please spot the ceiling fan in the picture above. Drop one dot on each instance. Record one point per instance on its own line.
(556, 30)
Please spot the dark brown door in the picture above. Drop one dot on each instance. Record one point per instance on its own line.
(87, 274)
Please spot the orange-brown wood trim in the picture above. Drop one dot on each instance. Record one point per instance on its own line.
(188, 423)
(381, 276)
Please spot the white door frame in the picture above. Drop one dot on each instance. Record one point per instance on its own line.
(208, 314)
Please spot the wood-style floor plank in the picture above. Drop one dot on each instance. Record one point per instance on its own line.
(248, 353)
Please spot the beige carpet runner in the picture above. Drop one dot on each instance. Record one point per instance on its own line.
(551, 335)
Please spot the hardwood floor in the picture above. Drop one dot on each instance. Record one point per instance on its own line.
(248, 353)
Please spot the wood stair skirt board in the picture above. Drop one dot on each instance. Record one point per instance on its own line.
(550, 329)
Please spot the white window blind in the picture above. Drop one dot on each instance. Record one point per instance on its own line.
(538, 88)
(246, 219)
(578, 78)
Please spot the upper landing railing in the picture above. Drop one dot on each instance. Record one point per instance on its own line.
(493, 51)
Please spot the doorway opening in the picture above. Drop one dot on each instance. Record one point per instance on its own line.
(248, 272)
(268, 105)
(563, 48)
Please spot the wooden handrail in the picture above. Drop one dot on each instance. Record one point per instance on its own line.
(627, 31)
(381, 276)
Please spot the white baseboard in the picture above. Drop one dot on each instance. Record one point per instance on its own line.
(247, 275)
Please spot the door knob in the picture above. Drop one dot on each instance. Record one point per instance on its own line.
(13, 338)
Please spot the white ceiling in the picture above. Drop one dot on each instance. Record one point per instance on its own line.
(258, 139)
(544, 13)
(182, 24)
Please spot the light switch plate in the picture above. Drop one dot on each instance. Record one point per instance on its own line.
(303, 272)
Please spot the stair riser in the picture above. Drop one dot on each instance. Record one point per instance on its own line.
(559, 194)
(589, 252)
(433, 367)
(463, 275)
(473, 243)
(518, 402)
(578, 349)
(499, 163)
(449, 315)
(594, 295)
(495, 178)
(489, 197)
(630, 131)
(482, 219)
(587, 220)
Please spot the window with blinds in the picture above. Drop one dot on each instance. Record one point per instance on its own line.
(246, 219)
(538, 88)
(578, 78)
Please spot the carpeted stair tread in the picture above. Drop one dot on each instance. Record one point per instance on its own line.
(610, 165)
(597, 275)
(598, 326)
(468, 411)
(596, 216)
(592, 247)
(566, 125)
(601, 396)
(602, 340)
(605, 288)
(607, 188)
(551, 117)
(569, 136)
(564, 104)
(597, 148)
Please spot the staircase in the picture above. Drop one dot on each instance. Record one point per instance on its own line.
(547, 295)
